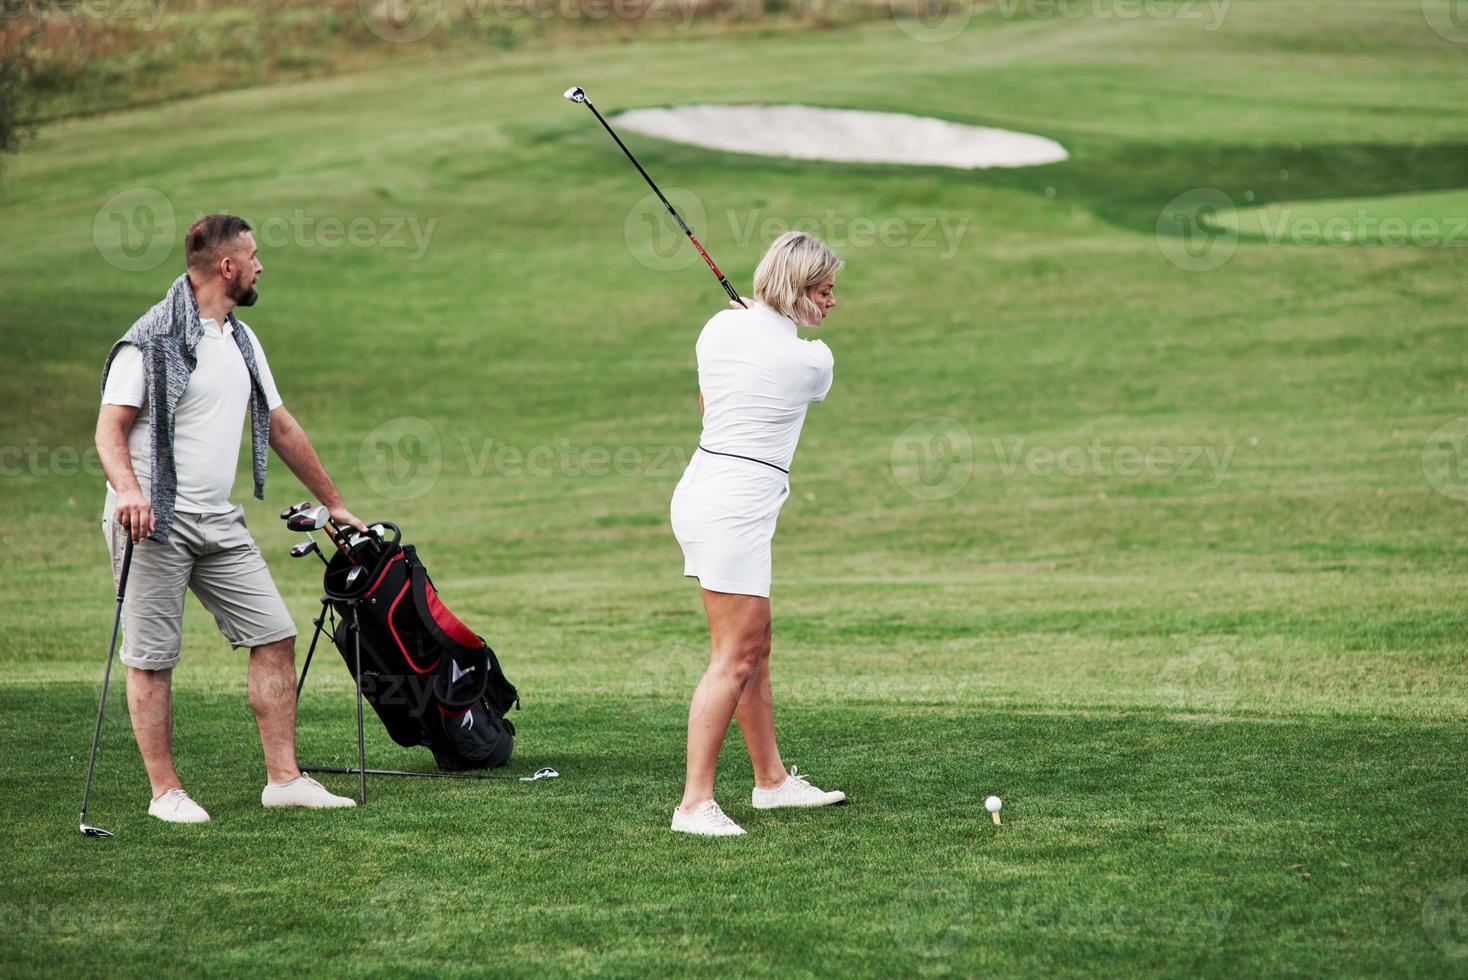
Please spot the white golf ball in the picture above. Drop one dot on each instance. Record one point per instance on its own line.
(993, 803)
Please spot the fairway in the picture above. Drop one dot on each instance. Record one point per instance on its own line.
(1138, 501)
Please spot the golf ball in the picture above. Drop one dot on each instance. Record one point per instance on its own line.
(993, 803)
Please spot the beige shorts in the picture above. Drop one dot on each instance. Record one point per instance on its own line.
(214, 556)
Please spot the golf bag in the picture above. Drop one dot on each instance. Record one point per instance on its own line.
(432, 681)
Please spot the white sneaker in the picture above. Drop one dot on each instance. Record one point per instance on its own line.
(795, 791)
(176, 807)
(302, 791)
(707, 821)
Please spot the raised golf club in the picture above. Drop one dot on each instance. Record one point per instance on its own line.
(86, 828)
(578, 95)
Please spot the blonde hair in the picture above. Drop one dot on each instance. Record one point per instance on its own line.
(792, 265)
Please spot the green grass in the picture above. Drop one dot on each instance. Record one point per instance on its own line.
(1223, 699)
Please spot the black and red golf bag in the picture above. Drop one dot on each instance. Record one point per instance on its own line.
(432, 681)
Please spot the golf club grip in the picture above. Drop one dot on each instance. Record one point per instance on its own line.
(127, 561)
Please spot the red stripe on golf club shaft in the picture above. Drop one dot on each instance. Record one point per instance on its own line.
(694, 239)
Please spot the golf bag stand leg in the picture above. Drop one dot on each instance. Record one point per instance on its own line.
(361, 743)
(320, 624)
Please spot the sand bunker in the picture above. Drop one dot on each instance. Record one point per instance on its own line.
(844, 135)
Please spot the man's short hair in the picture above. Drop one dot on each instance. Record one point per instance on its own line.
(207, 236)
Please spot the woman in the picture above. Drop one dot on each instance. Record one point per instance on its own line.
(756, 378)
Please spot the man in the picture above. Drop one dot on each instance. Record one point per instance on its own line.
(175, 391)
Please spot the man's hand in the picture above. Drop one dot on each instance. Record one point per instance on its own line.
(135, 513)
(340, 515)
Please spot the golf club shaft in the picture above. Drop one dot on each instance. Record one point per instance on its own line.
(127, 560)
(723, 280)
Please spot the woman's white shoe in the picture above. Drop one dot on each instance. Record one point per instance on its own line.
(795, 791)
(175, 806)
(303, 791)
(707, 821)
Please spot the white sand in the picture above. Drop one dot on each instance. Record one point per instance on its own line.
(846, 135)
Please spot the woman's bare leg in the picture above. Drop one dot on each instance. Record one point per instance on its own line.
(756, 717)
(739, 628)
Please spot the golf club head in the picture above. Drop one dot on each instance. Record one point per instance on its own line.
(90, 831)
(303, 549)
(575, 94)
(294, 509)
(353, 575)
(312, 519)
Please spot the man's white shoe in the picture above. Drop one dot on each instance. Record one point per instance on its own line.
(176, 807)
(795, 791)
(302, 791)
(707, 821)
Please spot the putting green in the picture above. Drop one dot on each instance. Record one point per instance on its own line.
(1437, 219)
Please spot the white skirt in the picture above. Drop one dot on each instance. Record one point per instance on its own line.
(724, 511)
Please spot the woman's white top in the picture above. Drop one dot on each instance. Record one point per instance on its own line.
(758, 378)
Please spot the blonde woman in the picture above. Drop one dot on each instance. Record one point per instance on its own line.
(756, 379)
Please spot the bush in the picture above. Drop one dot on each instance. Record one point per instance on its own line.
(12, 96)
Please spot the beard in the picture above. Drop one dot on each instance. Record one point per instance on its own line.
(242, 296)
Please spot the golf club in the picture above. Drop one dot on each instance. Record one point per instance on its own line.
(127, 559)
(577, 94)
(294, 509)
(308, 548)
(309, 519)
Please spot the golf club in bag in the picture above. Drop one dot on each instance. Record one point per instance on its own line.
(577, 95)
(127, 561)
(430, 679)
